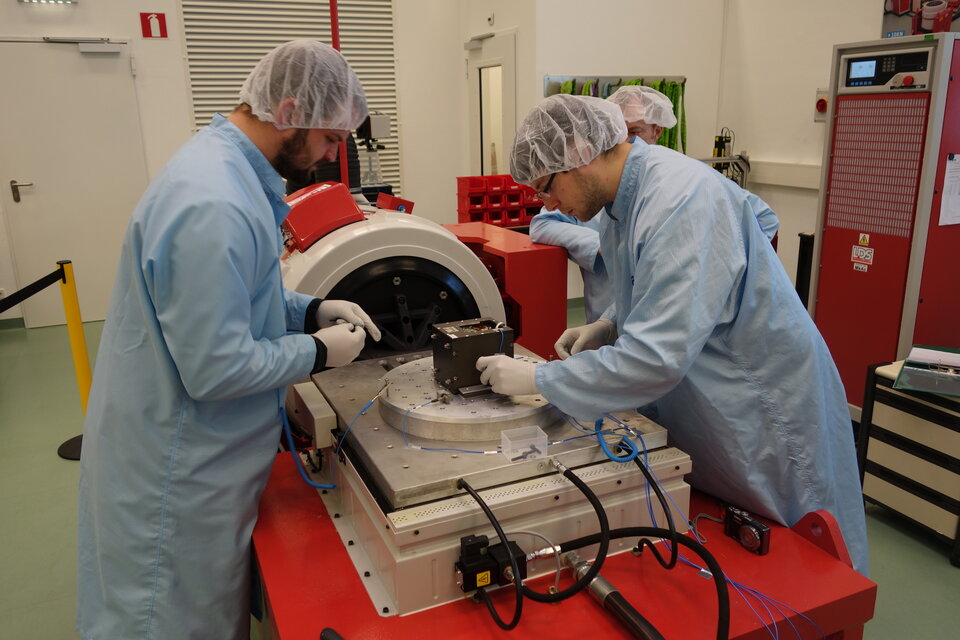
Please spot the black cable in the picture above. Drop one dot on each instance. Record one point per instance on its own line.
(604, 538)
(671, 527)
(723, 594)
(463, 484)
(623, 611)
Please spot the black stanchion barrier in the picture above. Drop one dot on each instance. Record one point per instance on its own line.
(69, 450)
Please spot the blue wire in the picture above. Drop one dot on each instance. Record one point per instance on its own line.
(500, 350)
(763, 598)
(350, 426)
(775, 631)
(625, 442)
(293, 452)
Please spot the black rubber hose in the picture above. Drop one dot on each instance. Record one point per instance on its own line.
(603, 537)
(723, 594)
(639, 626)
(674, 550)
(506, 626)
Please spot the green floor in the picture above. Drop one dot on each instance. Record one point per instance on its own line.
(919, 594)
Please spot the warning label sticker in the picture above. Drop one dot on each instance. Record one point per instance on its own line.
(862, 255)
(864, 239)
(483, 578)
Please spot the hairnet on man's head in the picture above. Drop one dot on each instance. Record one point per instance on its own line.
(327, 93)
(564, 132)
(644, 103)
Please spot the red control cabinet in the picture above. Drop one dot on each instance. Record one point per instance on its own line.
(885, 272)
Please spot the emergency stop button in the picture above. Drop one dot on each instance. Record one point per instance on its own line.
(908, 81)
(822, 105)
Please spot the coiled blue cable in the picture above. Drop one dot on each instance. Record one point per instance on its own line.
(625, 443)
(293, 451)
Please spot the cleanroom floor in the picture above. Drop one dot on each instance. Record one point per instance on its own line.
(40, 409)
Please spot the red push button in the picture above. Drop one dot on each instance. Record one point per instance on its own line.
(908, 81)
(822, 105)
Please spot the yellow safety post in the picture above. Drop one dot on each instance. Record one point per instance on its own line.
(78, 342)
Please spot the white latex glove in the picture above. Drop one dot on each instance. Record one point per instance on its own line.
(508, 376)
(589, 336)
(330, 311)
(344, 343)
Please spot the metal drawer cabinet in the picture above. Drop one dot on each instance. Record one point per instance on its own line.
(908, 450)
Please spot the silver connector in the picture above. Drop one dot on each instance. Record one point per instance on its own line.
(559, 465)
(599, 587)
(546, 552)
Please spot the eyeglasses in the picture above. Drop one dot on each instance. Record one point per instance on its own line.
(544, 193)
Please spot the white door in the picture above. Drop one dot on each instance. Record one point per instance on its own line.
(70, 127)
(492, 80)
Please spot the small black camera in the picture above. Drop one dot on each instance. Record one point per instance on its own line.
(752, 534)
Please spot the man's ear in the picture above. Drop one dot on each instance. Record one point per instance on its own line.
(657, 130)
(286, 109)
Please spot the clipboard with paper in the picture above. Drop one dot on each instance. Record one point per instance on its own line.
(931, 369)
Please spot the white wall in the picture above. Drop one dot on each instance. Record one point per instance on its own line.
(751, 65)
(642, 37)
(431, 101)
(775, 56)
(432, 90)
(161, 78)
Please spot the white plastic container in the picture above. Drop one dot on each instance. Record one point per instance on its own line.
(523, 443)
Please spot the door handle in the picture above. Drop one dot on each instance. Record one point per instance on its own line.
(15, 188)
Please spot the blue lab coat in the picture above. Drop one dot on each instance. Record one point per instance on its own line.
(710, 328)
(582, 242)
(183, 424)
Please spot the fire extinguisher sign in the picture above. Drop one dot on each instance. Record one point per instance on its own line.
(153, 25)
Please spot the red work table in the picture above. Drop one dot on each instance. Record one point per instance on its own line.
(310, 583)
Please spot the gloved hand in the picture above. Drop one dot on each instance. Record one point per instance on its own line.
(343, 341)
(330, 311)
(508, 376)
(589, 336)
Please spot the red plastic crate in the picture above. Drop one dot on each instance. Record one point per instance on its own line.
(496, 216)
(530, 196)
(529, 212)
(476, 215)
(494, 184)
(513, 198)
(471, 184)
(495, 200)
(471, 202)
(515, 216)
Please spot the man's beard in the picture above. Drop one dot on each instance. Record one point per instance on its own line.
(593, 196)
(289, 162)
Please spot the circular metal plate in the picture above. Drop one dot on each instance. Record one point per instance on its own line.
(450, 417)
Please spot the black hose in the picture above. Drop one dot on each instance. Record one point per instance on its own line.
(674, 550)
(723, 594)
(506, 626)
(639, 626)
(603, 537)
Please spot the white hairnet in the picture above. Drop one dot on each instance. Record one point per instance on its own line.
(564, 132)
(327, 93)
(646, 104)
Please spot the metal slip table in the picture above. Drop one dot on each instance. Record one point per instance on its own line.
(309, 584)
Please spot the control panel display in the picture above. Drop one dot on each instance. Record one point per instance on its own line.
(887, 69)
(863, 69)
